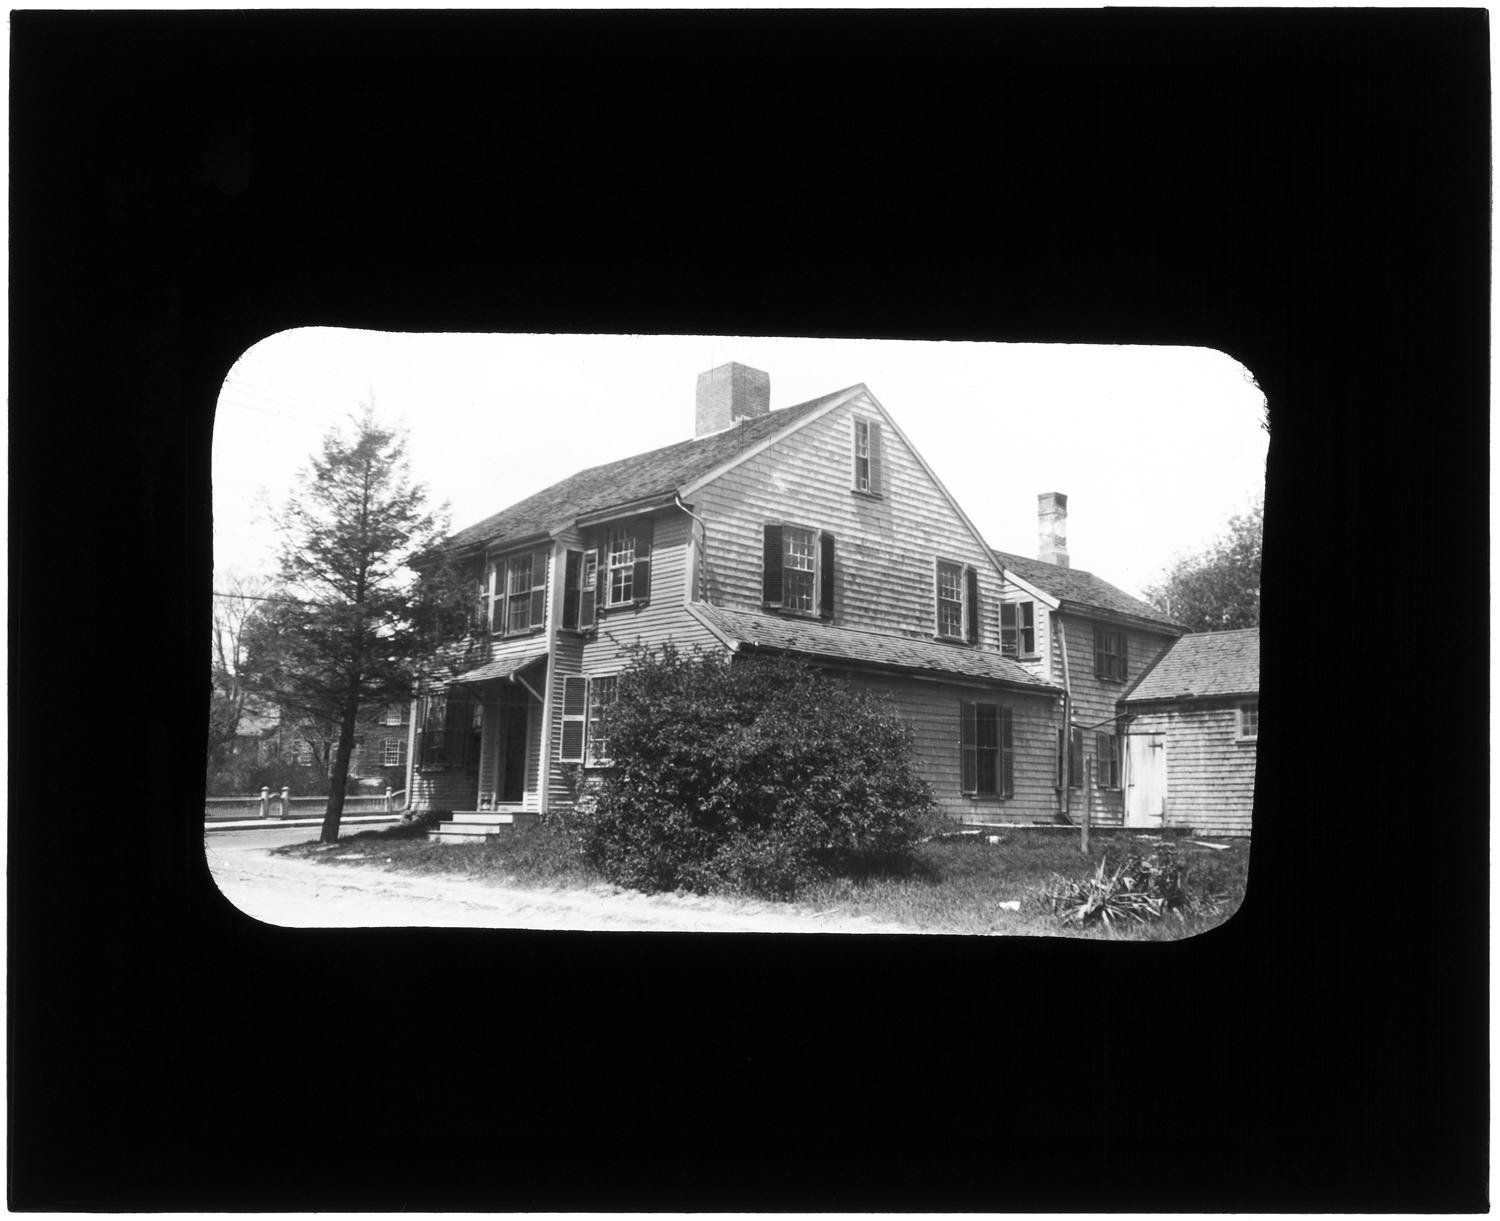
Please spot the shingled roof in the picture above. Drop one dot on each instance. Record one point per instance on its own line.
(1205, 663)
(1082, 589)
(656, 473)
(839, 644)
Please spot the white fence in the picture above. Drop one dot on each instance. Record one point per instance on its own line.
(284, 805)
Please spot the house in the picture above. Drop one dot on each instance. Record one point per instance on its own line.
(1194, 720)
(381, 744)
(817, 531)
(1073, 629)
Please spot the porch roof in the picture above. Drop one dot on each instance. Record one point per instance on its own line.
(873, 649)
(527, 654)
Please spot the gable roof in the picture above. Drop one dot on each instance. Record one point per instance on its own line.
(852, 645)
(1083, 590)
(1205, 663)
(659, 472)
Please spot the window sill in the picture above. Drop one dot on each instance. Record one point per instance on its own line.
(866, 495)
(618, 607)
(790, 613)
(968, 644)
(1246, 741)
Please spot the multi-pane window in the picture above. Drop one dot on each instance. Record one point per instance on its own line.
(602, 694)
(862, 455)
(395, 714)
(986, 745)
(799, 569)
(392, 752)
(1108, 748)
(519, 593)
(1018, 629)
(1249, 720)
(1110, 654)
(950, 599)
(451, 730)
(621, 566)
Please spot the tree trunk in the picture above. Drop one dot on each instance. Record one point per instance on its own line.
(335, 811)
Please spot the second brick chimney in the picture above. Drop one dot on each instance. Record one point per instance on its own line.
(729, 394)
(1052, 525)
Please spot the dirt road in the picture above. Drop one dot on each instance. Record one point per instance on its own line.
(302, 894)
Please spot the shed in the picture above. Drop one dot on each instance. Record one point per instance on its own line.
(1194, 720)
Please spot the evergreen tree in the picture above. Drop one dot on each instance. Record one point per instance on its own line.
(1218, 589)
(354, 620)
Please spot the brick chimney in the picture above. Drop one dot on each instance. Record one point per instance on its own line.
(729, 394)
(1052, 525)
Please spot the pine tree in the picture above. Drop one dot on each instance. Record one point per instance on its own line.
(354, 621)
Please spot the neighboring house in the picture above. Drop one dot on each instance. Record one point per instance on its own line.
(382, 742)
(816, 531)
(1194, 721)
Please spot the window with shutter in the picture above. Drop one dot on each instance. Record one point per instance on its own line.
(602, 694)
(1110, 654)
(799, 567)
(434, 739)
(1109, 760)
(628, 562)
(861, 455)
(574, 709)
(1018, 629)
(877, 460)
(950, 600)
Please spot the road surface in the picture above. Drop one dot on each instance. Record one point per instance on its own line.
(304, 894)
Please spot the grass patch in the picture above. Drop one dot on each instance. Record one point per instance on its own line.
(949, 885)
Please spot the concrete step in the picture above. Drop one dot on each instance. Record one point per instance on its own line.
(485, 818)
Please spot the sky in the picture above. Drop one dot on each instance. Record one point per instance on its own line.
(1155, 447)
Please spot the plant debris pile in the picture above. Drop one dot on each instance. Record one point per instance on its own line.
(1144, 886)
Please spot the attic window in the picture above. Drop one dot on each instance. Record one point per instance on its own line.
(957, 609)
(868, 457)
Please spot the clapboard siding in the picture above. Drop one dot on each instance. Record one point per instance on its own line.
(885, 548)
(1210, 774)
(1095, 700)
(932, 710)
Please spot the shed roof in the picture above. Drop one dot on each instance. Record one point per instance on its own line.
(841, 644)
(1203, 664)
(1083, 589)
(659, 472)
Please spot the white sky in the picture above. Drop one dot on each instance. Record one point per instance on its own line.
(1156, 448)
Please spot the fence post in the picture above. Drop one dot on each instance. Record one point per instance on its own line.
(265, 801)
(387, 799)
(286, 801)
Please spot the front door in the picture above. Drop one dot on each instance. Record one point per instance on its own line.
(1145, 779)
(513, 753)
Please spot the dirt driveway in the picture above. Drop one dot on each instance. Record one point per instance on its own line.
(302, 894)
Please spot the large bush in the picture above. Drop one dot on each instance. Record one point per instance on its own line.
(757, 774)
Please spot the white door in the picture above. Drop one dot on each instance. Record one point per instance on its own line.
(1145, 779)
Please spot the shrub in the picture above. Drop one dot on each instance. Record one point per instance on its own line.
(758, 774)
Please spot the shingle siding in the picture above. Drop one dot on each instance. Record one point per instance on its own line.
(1210, 773)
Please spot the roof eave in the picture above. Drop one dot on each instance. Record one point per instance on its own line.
(628, 508)
(1070, 607)
(885, 667)
(1187, 695)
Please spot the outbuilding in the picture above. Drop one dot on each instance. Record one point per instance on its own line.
(1192, 724)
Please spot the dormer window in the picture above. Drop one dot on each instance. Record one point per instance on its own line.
(627, 563)
(957, 609)
(1018, 629)
(518, 598)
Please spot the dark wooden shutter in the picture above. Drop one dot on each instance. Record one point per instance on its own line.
(641, 580)
(575, 704)
(572, 587)
(770, 583)
(968, 744)
(1075, 760)
(877, 460)
(1124, 656)
(854, 454)
(1062, 759)
(1026, 627)
(825, 580)
(1098, 652)
(1007, 755)
(588, 593)
(971, 605)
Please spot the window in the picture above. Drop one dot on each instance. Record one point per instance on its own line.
(602, 693)
(627, 554)
(1248, 728)
(580, 593)
(1110, 655)
(518, 596)
(985, 742)
(1108, 747)
(396, 714)
(393, 752)
(1075, 760)
(450, 727)
(957, 602)
(797, 569)
(1018, 629)
(868, 457)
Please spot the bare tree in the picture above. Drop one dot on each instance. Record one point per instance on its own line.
(237, 599)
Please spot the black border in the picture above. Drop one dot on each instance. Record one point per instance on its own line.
(1307, 190)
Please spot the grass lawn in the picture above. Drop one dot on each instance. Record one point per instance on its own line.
(955, 885)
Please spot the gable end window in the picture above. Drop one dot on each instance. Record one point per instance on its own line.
(1110, 655)
(1018, 629)
(1247, 721)
(985, 742)
(797, 569)
(869, 458)
(626, 559)
(957, 609)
